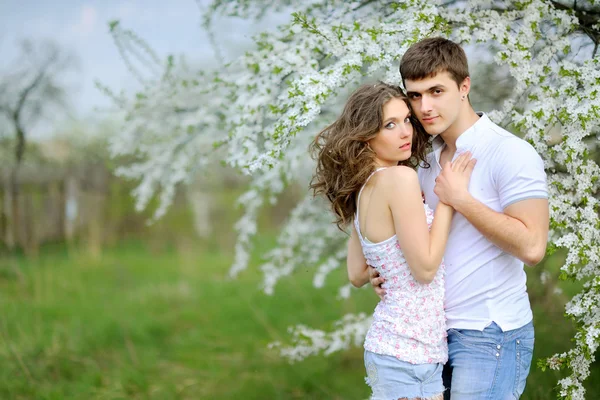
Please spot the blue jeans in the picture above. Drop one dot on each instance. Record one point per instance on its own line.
(391, 378)
(488, 364)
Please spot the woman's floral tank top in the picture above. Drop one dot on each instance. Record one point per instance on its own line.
(409, 323)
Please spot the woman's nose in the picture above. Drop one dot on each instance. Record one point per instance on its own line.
(405, 131)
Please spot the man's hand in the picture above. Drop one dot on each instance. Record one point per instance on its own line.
(452, 184)
(376, 282)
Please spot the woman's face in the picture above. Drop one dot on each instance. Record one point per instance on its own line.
(394, 140)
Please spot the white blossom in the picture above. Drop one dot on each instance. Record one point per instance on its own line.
(260, 112)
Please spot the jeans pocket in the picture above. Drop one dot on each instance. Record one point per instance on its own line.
(524, 356)
(426, 372)
(474, 340)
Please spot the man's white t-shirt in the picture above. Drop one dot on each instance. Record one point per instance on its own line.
(483, 283)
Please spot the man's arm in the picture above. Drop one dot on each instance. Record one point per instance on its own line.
(355, 261)
(376, 282)
(521, 230)
(359, 272)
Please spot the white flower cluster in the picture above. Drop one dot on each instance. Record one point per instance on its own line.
(262, 111)
(348, 331)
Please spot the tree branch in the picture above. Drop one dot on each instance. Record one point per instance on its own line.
(26, 92)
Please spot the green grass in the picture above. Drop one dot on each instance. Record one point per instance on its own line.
(141, 323)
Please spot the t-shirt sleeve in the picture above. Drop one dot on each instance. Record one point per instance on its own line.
(519, 173)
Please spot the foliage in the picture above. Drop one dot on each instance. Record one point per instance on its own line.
(148, 323)
(262, 110)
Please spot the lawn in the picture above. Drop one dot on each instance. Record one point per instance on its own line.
(142, 323)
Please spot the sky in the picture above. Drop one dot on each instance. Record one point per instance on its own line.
(81, 27)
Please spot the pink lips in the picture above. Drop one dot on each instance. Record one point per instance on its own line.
(405, 146)
(429, 120)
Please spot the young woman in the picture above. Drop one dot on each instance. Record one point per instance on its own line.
(366, 164)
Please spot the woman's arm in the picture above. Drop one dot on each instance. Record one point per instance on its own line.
(355, 260)
(422, 248)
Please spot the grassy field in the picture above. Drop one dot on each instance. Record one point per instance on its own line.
(141, 323)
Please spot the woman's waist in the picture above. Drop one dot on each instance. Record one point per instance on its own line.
(409, 351)
(401, 291)
(402, 277)
(411, 314)
(432, 335)
(423, 312)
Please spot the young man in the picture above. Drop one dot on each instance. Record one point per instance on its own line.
(500, 223)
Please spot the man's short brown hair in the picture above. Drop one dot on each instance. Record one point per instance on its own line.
(431, 56)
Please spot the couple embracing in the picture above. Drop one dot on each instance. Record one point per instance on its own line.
(441, 228)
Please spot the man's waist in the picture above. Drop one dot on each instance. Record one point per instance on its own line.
(504, 325)
(479, 316)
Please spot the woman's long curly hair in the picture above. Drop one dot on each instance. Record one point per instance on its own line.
(345, 159)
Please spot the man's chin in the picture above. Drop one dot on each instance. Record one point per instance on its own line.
(434, 131)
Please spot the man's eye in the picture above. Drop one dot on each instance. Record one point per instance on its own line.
(438, 91)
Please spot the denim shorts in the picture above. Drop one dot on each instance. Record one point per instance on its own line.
(392, 379)
(488, 365)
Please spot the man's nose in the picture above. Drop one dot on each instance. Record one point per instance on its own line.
(425, 104)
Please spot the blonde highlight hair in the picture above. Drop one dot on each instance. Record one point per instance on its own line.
(345, 159)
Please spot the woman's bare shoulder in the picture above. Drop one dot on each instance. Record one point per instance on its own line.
(400, 173)
(399, 181)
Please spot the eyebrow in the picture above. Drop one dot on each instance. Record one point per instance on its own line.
(408, 114)
(432, 88)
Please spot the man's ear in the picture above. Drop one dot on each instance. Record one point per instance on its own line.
(465, 86)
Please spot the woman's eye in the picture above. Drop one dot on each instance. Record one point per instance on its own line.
(407, 120)
(390, 125)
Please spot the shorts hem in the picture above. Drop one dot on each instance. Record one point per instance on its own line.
(410, 396)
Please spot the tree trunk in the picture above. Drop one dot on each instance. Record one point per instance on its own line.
(15, 215)
(29, 230)
(15, 180)
(7, 231)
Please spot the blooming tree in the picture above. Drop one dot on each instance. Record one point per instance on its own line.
(259, 113)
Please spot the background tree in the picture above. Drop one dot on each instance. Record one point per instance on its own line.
(263, 109)
(32, 89)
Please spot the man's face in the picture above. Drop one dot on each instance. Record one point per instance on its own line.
(436, 101)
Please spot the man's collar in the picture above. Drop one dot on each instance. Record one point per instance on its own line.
(437, 143)
(467, 138)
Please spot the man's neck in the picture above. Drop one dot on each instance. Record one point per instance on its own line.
(465, 120)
